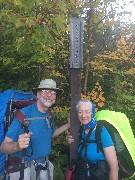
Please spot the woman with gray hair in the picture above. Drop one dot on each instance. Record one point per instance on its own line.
(93, 163)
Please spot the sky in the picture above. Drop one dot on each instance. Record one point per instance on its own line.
(126, 6)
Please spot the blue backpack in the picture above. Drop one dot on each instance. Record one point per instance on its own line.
(10, 101)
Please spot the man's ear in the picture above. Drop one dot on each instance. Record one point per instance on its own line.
(38, 94)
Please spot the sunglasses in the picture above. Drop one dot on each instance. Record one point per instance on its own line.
(49, 91)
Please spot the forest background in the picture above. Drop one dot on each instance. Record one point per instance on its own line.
(35, 44)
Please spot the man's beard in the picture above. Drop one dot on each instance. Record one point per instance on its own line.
(46, 104)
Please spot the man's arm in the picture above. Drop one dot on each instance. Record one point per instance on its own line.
(9, 146)
(61, 129)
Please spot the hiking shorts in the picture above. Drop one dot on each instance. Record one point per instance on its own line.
(30, 173)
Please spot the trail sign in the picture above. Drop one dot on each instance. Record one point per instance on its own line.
(76, 43)
(76, 63)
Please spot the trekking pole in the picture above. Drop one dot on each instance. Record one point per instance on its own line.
(38, 169)
(25, 126)
(48, 170)
(22, 170)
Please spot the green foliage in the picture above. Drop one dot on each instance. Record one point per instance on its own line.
(35, 45)
(61, 161)
(58, 174)
(30, 33)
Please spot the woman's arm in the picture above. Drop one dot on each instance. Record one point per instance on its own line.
(111, 158)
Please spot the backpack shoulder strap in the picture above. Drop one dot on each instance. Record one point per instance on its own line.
(98, 136)
(50, 115)
(84, 144)
(85, 141)
(19, 115)
(100, 125)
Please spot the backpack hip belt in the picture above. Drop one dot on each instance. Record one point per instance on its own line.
(14, 164)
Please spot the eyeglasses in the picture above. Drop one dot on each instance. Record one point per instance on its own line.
(49, 91)
(88, 111)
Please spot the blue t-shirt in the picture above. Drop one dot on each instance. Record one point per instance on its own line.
(92, 155)
(40, 144)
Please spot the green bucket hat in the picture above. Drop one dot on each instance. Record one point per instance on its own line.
(48, 84)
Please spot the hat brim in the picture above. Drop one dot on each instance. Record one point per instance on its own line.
(58, 91)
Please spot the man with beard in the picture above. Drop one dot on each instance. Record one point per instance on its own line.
(37, 141)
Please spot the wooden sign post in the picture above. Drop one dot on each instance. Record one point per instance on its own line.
(76, 63)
